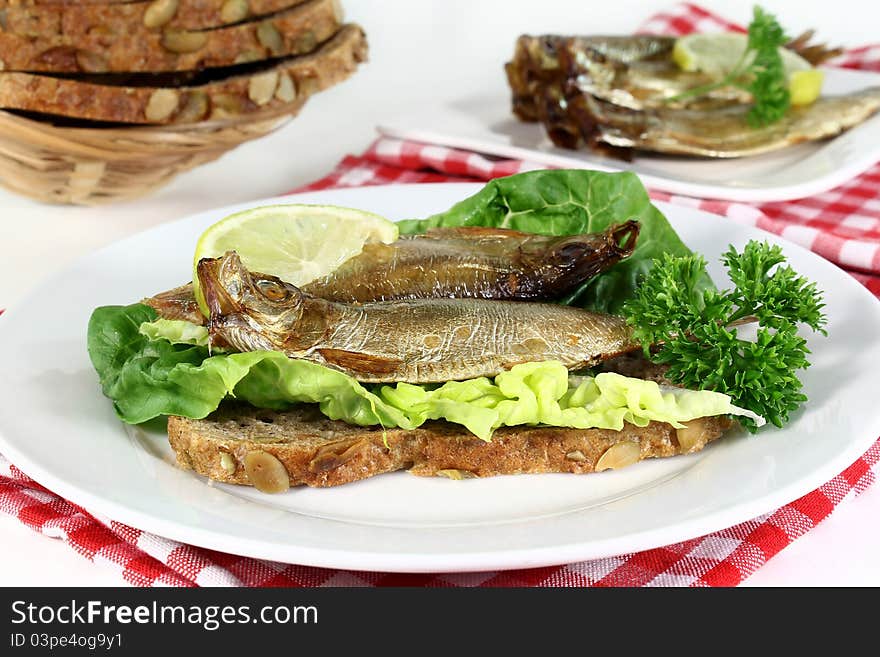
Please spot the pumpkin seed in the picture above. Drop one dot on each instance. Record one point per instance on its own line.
(266, 472)
(619, 456)
(690, 435)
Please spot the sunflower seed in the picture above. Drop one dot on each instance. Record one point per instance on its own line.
(304, 43)
(195, 107)
(226, 105)
(262, 87)
(286, 91)
(234, 11)
(181, 41)
(270, 38)
(246, 56)
(227, 463)
(160, 13)
(162, 104)
(90, 62)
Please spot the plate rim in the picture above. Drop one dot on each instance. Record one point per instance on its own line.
(670, 184)
(424, 561)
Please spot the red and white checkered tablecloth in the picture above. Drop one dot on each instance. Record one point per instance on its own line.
(842, 225)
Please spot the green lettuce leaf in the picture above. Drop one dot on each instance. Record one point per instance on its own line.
(176, 331)
(570, 202)
(147, 378)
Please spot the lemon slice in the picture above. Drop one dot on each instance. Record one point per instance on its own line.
(718, 55)
(296, 243)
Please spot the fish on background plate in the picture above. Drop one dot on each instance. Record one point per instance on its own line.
(723, 131)
(619, 94)
(415, 341)
(461, 262)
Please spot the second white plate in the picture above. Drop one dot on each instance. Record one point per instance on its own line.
(486, 124)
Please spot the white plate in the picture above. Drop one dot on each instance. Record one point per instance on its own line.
(57, 427)
(485, 124)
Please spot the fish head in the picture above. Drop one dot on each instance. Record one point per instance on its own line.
(248, 310)
(564, 262)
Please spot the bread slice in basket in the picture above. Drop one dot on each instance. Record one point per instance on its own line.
(75, 18)
(285, 82)
(295, 31)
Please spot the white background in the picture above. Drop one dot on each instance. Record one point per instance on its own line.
(420, 51)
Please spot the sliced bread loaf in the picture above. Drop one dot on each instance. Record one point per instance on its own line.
(295, 31)
(75, 18)
(288, 81)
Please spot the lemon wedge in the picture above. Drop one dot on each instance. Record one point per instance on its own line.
(297, 243)
(719, 54)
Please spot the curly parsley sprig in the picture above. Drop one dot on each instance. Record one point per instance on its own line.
(694, 331)
(760, 71)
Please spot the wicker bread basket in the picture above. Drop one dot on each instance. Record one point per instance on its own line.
(109, 120)
(90, 166)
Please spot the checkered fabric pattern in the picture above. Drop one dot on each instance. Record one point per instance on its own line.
(842, 225)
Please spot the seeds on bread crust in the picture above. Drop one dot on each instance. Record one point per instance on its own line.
(193, 108)
(134, 19)
(227, 462)
(457, 475)
(170, 48)
(159, 13)
(332, 63)
(183, 41)
(316, 451)
(262, 87)
(691, 436)
(234, 11)
(270, 38)
(619, 456)
(162, 104)
(286, 91)
(90, 62)
(266, 472)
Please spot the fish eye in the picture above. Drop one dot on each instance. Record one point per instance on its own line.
(272, 290)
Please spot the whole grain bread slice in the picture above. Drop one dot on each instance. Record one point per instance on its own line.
(272, 450)
(287, 82)
(296, 31)
(77, 19)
